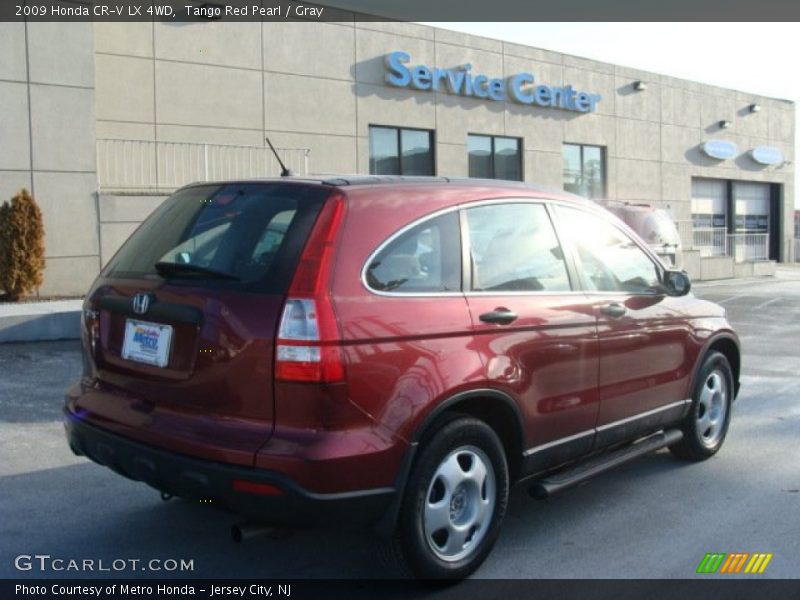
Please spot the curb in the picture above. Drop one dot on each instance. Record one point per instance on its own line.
(40, 321)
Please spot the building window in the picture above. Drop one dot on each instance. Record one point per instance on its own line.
(585, 170)
(494, 157)
(395, 151)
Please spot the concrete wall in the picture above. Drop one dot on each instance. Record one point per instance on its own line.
(47, 142)
(323, 80)
(120, 215)
(320, 85)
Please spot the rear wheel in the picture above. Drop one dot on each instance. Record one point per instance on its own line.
(706, 425)
(455, 501)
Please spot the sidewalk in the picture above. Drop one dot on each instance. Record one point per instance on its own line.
(783, 272)
(40, 321)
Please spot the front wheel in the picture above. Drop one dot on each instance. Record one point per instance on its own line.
(706, 425)
(455, 501)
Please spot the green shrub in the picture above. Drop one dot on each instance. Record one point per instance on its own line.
(21, 246)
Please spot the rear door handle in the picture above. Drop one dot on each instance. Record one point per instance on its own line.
(501, 316)
(615, 310)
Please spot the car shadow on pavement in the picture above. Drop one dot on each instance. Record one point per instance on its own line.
(87, 512)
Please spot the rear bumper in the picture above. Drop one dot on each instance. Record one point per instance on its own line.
(198, 479)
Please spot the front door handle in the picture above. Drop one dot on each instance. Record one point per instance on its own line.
(501, 316)
(615, 310)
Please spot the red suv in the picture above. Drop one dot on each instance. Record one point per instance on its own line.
(392, 351)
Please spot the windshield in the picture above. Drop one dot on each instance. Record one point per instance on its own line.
(245, 236)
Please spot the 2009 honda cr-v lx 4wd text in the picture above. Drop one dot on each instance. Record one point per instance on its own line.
(392, 351)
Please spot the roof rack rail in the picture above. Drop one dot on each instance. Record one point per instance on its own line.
(341, 180)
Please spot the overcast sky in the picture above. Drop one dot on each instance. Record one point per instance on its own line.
(761, 58)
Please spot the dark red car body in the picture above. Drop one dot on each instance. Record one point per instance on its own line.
(559, 383)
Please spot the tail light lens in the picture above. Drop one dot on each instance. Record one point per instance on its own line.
(307, 348)
(90, 322)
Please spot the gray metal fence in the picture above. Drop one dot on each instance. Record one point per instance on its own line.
(716, 241)
(138, 164)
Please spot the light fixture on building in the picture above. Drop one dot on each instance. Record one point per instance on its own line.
(640, 86)
(724, 124)
(755, 108)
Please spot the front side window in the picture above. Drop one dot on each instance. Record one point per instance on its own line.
(396, 151)
(513, 247)
(610, 260)
(494, 157)
(424, 259)
(584, 170)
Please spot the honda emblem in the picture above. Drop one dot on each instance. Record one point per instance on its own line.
(141, 302)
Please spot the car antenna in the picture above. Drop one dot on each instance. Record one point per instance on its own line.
(284, 171)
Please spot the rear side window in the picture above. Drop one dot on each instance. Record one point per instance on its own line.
(513, 247)
(242, 236)
(424, 259)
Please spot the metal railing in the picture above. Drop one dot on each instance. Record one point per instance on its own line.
(716, 241)
(686, 232)
(138, 164)
(749, 247)
(711, 241)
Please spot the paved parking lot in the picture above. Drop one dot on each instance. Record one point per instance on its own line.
(654, 518)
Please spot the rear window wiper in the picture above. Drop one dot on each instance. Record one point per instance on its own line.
(168, 268)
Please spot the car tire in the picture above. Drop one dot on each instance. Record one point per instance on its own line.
(454, 501)
(706, 425)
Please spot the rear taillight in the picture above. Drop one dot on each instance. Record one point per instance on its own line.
(90, 319)
(307, 348)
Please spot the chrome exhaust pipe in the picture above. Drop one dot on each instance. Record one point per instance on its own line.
(245, 531)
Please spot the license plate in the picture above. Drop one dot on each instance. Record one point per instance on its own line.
(147, 342)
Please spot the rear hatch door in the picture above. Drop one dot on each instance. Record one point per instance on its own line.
(188, 311)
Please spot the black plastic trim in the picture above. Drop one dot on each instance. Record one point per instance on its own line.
(704, 352)
(193, 478)
(448, 404)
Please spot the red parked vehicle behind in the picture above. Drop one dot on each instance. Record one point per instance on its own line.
(392, 351)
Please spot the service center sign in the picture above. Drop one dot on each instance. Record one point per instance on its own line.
(519, 88)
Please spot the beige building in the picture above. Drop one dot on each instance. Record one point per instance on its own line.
(101, 121)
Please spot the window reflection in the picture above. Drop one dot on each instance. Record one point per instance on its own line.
(395, 151)
(513, 247)
(610, 260)
(584, 170)
(494, 157)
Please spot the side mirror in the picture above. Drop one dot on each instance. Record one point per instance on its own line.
(676, 283)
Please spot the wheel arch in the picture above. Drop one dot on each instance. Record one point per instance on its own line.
(728, 346)
(494, 407)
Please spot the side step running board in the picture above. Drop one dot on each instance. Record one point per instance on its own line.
(605, 462)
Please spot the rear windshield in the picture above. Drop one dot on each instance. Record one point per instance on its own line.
(241, 236)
